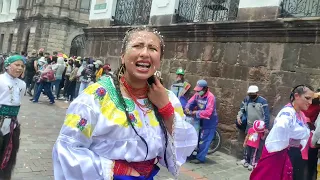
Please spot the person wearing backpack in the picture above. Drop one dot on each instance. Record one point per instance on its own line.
(46, 78)
(253, 107)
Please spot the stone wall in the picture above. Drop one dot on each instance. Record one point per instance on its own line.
(275, 55)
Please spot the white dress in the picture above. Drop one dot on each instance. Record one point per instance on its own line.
(287, 125)
(11, 93)
(96, 132)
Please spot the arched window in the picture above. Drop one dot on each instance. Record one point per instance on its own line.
(77, 45)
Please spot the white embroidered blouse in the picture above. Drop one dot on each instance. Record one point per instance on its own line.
(288, 125)
(11, 90)
(11, 93)
(96, 132)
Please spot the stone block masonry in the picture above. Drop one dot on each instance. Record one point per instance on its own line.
(51, 25)
(273, 54)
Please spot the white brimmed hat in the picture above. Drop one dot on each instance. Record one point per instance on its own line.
(253, 89)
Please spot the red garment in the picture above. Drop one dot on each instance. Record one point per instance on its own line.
(254, 138)
(143, 168)
(312, 112)
(273, 166)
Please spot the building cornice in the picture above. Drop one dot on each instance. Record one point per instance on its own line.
(287, 30)
(51, 18)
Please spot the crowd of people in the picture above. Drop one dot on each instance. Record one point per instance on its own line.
(49, 74)
(121, 125)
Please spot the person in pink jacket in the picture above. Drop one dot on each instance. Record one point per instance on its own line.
(202, 105)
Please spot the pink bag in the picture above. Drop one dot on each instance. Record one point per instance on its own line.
(48, 76)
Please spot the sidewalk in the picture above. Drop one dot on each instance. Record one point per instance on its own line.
(219, 166)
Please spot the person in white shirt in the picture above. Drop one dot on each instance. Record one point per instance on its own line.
(11, 91)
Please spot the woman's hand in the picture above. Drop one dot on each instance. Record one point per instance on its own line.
(158, 95)
(187, 111)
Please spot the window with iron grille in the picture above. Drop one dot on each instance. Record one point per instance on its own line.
(207, 10)
(132, 12)
(300, 8)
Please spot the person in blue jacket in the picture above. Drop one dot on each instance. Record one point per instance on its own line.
(253, 107)
(202, 105)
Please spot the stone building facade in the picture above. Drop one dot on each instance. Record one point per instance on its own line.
(260, 43)
(52, 25)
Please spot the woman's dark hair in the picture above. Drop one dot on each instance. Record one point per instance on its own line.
(77, 64)
(300, 89)
(116, 80)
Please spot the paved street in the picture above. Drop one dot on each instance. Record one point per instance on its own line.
(41, 124)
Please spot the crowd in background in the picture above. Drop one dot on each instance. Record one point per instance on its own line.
(57, 76)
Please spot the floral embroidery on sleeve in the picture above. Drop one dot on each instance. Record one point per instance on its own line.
(82, 124)
(100, 93)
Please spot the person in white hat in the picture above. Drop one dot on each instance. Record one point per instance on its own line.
(253, 107)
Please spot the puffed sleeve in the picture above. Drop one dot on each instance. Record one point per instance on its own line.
(182, 142)
(278, 138)
(72, 158)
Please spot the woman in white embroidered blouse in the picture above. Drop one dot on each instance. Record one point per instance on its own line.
(120, 127)
(289, 135)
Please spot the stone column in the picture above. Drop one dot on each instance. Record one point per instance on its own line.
(258, 10)
(163, 12)
(101, 12)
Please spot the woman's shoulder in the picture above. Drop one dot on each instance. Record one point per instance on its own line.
(286, 112)
(102, 87)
